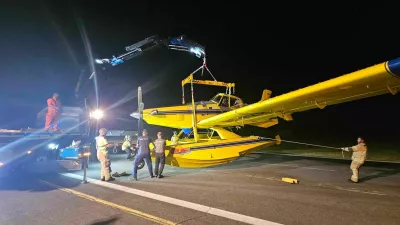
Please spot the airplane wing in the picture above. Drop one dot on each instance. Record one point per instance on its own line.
(375, 80)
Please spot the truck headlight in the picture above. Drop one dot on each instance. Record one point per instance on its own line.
(53, 146)
(97, 114)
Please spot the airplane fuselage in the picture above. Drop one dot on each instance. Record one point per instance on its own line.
(180, 116)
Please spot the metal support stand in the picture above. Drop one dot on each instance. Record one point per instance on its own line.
(85, 166)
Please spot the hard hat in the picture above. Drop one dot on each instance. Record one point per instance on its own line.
(128, 138)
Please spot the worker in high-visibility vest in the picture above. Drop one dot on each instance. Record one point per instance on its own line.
(127, 146)
(53, 112)
(358, 158)
(175, 139)
(102, 155)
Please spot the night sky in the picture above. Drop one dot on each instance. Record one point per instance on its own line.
(288, 46)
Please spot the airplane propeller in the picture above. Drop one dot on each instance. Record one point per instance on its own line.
(140, 111)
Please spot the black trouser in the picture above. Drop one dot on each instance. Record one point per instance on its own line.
(160, 162)
(128, 153)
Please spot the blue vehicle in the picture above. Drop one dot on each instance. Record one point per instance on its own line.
(29, 148)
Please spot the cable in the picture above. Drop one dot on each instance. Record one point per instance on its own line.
(301, 143)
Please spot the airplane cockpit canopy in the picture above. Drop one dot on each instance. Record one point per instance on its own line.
(226, 100)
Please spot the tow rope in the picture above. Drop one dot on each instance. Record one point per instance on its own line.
(302, 143)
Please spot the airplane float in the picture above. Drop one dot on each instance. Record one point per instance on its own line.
(218, 145)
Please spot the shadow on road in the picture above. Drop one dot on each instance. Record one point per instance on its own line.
(111, 220)
(380, 174)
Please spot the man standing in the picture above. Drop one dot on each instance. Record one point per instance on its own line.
(160, 145)
(358, 158)
(142, 144)
(102, 155)
(53, 112)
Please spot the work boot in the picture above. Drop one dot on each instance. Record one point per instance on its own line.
(133, 178)
(123, 174)
(160, 176)
(103, 179)
(116, 174)
(352, 181)
(111, 179)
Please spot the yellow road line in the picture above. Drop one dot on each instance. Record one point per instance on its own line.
(110, 204)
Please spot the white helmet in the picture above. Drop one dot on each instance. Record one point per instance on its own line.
(128, 138)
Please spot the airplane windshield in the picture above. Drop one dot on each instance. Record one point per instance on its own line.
(216, 98)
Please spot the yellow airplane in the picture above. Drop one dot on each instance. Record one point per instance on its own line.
(219, 146)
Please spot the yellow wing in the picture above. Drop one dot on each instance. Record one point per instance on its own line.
(376, 80)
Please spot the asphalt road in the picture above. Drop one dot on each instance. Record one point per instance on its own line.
(250, 186)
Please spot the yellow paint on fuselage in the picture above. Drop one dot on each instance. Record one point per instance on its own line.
(177, 116)
(213, 152)
(210, 151)
(180, 116)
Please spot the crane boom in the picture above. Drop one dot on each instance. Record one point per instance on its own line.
(179, 43)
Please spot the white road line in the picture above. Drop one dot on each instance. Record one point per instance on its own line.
(178, 202)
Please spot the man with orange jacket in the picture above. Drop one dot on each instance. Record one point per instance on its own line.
(53, 112)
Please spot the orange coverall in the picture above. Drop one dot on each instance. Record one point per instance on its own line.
(53, 114)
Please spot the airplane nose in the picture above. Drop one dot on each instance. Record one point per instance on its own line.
(135, 115)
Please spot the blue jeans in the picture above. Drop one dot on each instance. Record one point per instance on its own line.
(147, 159)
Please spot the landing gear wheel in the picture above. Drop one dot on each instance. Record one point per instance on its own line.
(141, 164)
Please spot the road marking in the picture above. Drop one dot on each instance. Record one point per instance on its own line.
(113, 205)
(178, 202)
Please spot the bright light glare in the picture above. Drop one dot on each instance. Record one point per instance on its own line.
(53, 146)
(97, 114)
(197, 51)
(29, 152)
(1, 164)
(99, 61)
